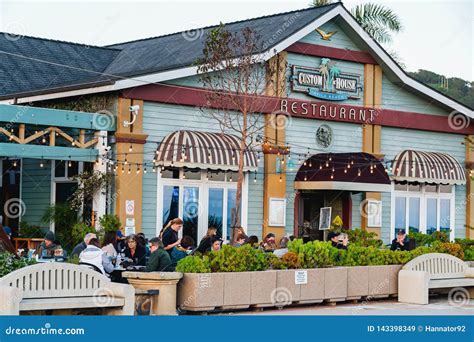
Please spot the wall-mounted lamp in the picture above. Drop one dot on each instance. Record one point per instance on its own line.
(134, 110)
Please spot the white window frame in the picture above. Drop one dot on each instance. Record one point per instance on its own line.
(204, 185)
(423, 196)
(65, 179)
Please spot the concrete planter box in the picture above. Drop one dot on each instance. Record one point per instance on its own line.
(262, 288)
(335, 284)
(357, 282)
(237, 290)
(313, 291)
(201, 291)
(241, 290)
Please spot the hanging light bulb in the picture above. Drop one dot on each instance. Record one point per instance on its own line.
(320, 166)
(332, 176)
(123, 168)
(230, 178)
(138, 168)
(330, 157)
(154, 168)
(144, 168)
(281, 179)
(125, 161)
(258, 157)
(255, 177)
(43, 140)
(305, 177)
(207, 175)
(129, 169)
(69, 164)
(14, 163)
(310, 164)
(358, 173)
(41, 163)
(130, 149)
(332, 169)
(345, 170)
(73, 143)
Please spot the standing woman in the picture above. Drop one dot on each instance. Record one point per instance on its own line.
(205, 244)
(169, 234)
(135, 251)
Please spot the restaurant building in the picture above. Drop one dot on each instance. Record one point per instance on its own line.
(361, 137)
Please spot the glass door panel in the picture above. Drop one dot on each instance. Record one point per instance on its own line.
(216, 210)
(191, 208)
(414, 215)
(170, 203)
(444, 215)
(400, 214)
(431, 215)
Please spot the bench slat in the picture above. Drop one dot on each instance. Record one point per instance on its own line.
(455, 282)
(69, 303)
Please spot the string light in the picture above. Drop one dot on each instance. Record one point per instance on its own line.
(358, 173)
(255, 177)
(130, 149)
(129, 169)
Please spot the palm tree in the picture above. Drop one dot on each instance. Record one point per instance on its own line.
(377, 20)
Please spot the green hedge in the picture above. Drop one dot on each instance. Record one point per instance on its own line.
(313, 254)
(8, 263)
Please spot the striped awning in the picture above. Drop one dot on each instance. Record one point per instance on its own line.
(204, 150)
(427, 167)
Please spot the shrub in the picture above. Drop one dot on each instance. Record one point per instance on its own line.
(79, 230)
(110, 222)
(242, 259)
(315, 253)
(467, 246)
(194, 264)
(10, 263)
(422, 239)
(288, 261)
(449, 248)
(359, 237)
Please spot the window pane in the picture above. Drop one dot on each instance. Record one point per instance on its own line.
(400, 186)
(431, 215)
(445, 189)
(192, 174)
(232, 176)
(170, 173)
(170, 203)
(414, 187)
(60, 168)
(444, 215)
(191, 208)
(400, 213)
(72, 168)
(64, 191)
(430, 188)
(231, 213)
(216, 207)
(414, 215)
(217, 176)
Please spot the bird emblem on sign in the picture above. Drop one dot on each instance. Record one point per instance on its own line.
(324, 35)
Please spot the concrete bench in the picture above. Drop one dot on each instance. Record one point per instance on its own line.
(433, 271)
(63, 287)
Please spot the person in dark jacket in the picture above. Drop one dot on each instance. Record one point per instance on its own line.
(337, 241)
(401, 242)
(159, 259)
(205, 244)
(49, 248)
(169, 234)
(135, 252)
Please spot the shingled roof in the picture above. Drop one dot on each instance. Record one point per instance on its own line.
(23, 70)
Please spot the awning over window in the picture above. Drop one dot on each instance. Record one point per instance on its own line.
(427, 167)
(343, 171)
(204, 150)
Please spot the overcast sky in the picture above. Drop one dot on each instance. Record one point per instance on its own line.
(437, 35)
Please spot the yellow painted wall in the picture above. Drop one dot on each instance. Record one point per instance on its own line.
(469, 188)
(129, 186)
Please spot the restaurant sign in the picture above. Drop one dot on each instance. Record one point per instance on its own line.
(326, 82)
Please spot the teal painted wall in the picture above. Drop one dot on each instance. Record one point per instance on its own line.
(396, 97)
(158, 121)
(300, 135)
(394, 140)
(339, 40)
(35, 190)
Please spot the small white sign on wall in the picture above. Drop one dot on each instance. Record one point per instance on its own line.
(129, 230)
(301, 277)
(130, 207)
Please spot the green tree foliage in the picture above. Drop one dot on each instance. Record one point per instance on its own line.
(457, 88)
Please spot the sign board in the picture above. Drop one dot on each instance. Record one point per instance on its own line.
(277, 214)
(301, 277)
(129, 230)
(326, 82)
(130, 207)
(325, 218)
(130, 222)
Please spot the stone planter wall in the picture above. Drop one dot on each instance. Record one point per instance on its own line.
(277, 288)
